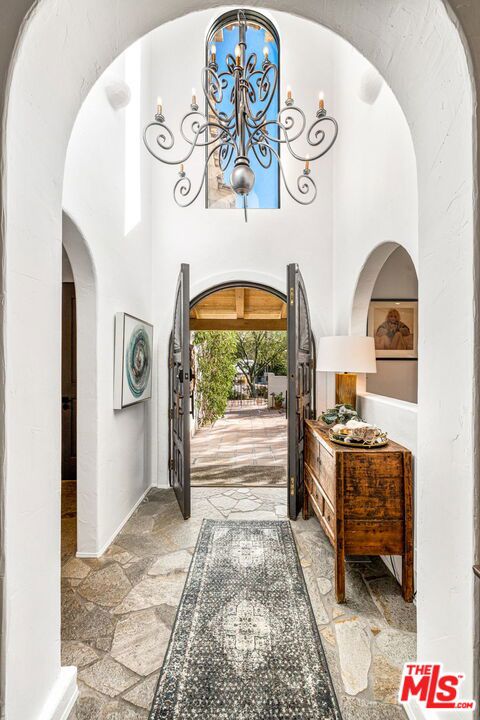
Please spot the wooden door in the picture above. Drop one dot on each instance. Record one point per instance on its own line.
(69, 383)
(179, 394)
(301, 373)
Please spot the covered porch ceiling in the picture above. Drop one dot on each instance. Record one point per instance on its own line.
(239, 308)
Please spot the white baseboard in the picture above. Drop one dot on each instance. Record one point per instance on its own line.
(111, 539)
(63, 696)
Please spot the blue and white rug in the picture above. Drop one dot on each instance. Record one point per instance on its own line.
(245, 645)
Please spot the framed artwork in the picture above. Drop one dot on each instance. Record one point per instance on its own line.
(394, 326)
(133, 361)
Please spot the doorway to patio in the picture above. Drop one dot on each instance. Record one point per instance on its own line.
(239, 351)
(300, 398)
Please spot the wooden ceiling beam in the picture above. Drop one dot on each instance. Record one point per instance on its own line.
(241, 324)
(240, 302)
(211, 314)
(263, 315)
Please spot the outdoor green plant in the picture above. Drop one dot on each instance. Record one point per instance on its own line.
(278, 399)
(261, 351)
(215, 372)
(339, 414)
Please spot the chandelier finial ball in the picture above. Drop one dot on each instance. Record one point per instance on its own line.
(242, 179)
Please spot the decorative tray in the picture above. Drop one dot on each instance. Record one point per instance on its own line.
(379, 442)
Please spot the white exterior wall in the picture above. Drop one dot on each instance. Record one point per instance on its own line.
(276, 384)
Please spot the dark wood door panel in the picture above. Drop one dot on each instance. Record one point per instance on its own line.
(69, 382)
(301, 375)
(179, 394)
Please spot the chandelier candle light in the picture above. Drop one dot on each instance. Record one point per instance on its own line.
(245, 129)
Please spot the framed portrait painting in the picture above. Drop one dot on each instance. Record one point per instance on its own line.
(133, 361)
(394, 326)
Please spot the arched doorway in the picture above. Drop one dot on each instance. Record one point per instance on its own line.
(244, 326)
(267, 309)
(389, 281)
(82, 411)
(443, 634)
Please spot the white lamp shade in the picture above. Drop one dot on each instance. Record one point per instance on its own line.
(347, 353)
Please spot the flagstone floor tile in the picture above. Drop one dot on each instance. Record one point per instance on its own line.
(118, 610)
(108, 677)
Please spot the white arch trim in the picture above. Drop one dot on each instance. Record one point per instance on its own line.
(87, 391)
(366, 282)
(44, 98)
(260, 278)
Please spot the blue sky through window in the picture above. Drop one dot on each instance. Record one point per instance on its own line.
(265, 193)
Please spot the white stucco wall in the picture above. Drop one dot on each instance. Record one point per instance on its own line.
(400, 38)
(218, 244)
(107, 192)
(375, 186)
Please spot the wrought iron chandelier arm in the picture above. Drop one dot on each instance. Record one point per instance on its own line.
(213, 87)
(305, 184)
(260, 146)
(267, 87)
(191, 121)
(317, 140)
(250, 64)
(288, 121)
(263, 153)
(315, 136)
(235, 123)
(183, 186)
(166, 140)
(285, 126)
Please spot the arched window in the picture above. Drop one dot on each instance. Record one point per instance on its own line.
(223, 35)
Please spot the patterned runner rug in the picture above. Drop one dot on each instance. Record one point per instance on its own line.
(245, 645)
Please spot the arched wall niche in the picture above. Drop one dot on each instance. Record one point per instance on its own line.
(395, 378)
(84, 276)
(438, 106)
(365, 284)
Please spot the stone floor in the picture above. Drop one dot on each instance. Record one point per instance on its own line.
(118, 611)
(247, 447)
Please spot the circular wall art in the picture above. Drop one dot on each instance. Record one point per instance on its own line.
(138, 361)
(133, 360)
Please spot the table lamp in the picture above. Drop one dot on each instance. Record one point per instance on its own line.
(346, 355)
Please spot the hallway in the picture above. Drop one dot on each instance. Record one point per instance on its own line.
(118, 611)
(247, 447)
(328, 173)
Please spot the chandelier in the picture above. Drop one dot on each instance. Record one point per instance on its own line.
(244, 130)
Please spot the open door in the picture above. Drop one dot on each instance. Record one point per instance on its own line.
(179, 394)
(301, 379)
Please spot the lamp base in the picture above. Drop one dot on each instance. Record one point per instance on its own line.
(346, 389)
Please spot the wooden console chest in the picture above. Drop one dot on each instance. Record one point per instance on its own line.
(363, 499)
